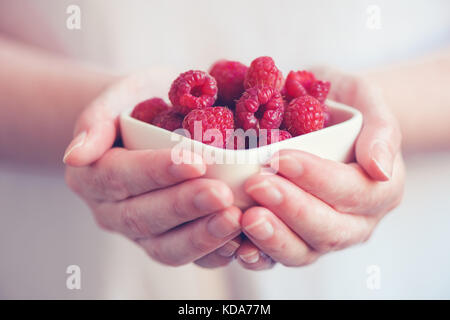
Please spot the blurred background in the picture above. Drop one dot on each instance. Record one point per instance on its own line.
(44, 227)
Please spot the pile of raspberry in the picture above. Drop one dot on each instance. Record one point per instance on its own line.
(256, 99)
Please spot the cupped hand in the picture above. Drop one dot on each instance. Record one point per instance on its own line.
(312, 205)
(169, 209)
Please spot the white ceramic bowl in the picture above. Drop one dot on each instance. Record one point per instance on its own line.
(335, 142)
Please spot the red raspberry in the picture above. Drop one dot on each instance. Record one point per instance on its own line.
(319, 90)
(297, 84)
(147, 110)
(169, 120)
(193, 90)
(230, 81)
(260, 108)
(270, 136)
(243, 140)
(263, 72)
(220, 118)
(303, 115)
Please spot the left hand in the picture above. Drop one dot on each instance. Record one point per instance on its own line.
(170, 210)
(314, 206)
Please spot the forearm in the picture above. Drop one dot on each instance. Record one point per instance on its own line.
(419, 94)
(41, 96)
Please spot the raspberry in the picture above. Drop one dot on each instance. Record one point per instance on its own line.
(220, 118)
(260, 108)
(263, 72)
(230, 81)
(169, 120)
(303, 115)
(297, 84)
(319, 90)
(147, 110)
(269, 136)
(193, 90)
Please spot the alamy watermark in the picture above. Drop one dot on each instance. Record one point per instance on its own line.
(218, 147)
(373, 280)
(73, 281)
(373, 21)
(73, 21)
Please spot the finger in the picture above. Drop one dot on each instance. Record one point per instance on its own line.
(194, 240)
(221, 256)
(251, 258)
(314, 221)
(275, 239)
(378, 144)
(380, 138)
(98, 125)
(350, 190)
(95, 133)
(156, 212)
(121, 173)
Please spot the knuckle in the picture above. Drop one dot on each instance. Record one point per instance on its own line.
(277, 249)
(113, 188)
(390, 129)
(179, 208)
(131, 220)
(155, 251)
(157, 177)
(101, 223)
(351, 203)
(385, 125)
(99, 213)
(200, 243)
(334, 241)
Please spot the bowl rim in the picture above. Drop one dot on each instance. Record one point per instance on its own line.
(356, 115)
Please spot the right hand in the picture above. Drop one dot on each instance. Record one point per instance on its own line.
(176, 216)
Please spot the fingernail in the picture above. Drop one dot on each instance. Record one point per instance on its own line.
(382, 157)
(228, 249)
(266, 193)
(288, 166)
(77, 142)
(261, 229)
(250, 258)
(179, 170)
(210, 200)
(222, 225)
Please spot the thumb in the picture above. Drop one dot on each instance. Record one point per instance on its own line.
(98, 125)
(95, 133)
(380, 138)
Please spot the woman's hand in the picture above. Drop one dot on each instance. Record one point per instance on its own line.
(168, 209)
(314, 206)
